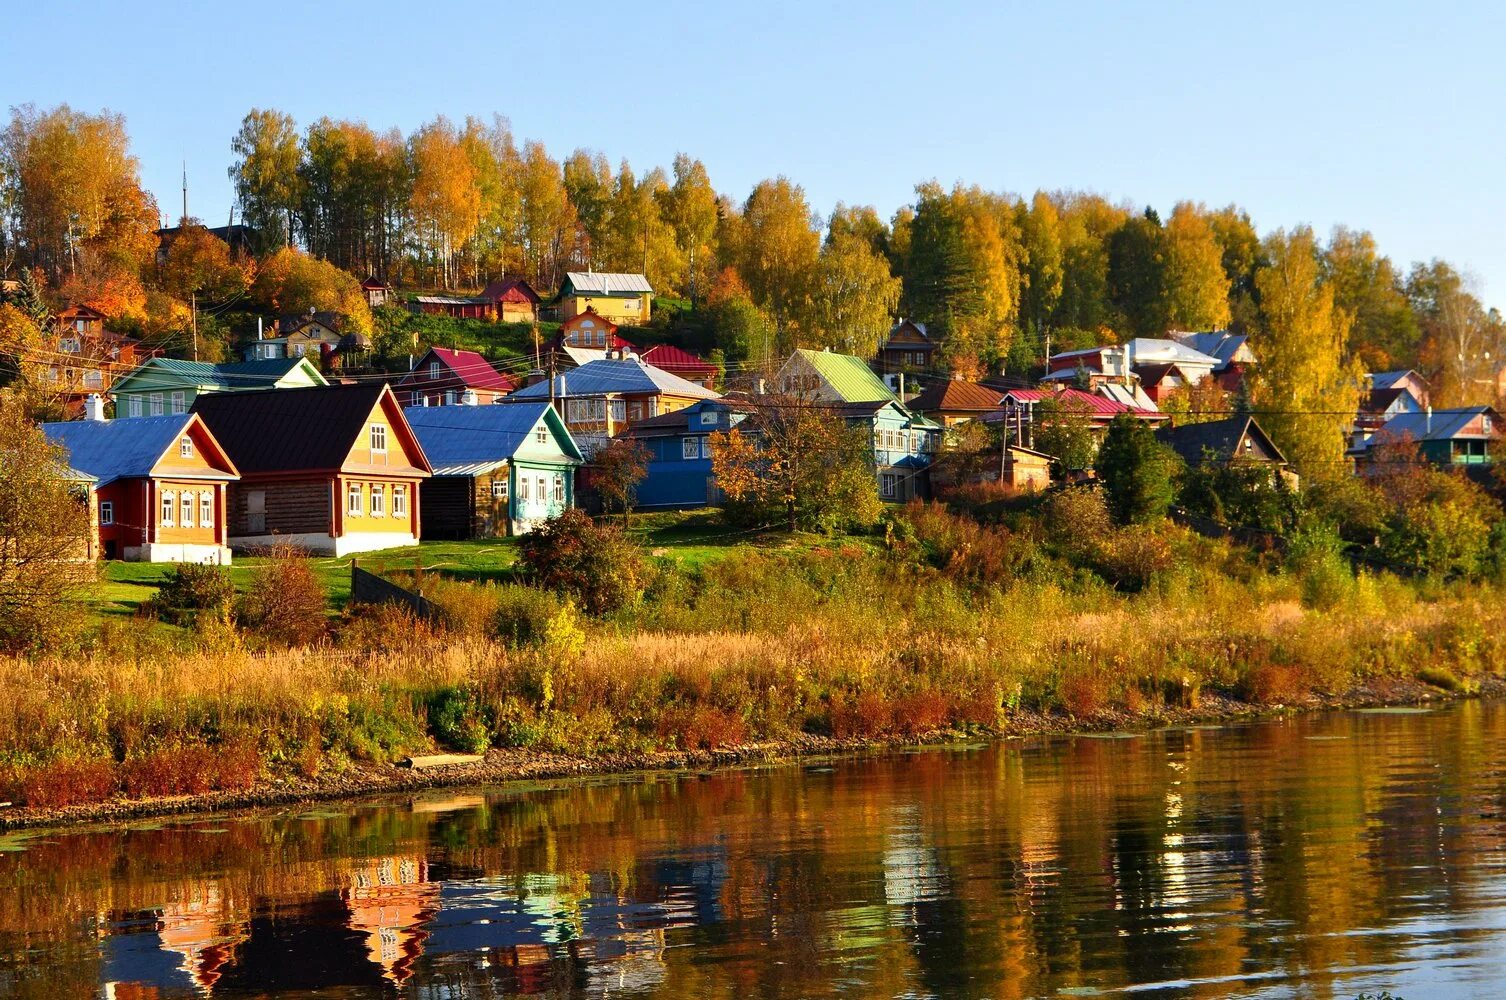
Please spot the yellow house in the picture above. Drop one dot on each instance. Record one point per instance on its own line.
(621, 298)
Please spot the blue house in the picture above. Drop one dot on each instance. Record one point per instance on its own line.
(679, 468)
(498, 470)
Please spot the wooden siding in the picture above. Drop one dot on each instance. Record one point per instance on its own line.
(291, 508)
(446, 510)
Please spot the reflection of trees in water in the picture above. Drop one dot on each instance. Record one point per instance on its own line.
(1007, 872)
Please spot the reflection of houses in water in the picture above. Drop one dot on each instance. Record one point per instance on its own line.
(391, 900)
(912, 870)
(184, 944)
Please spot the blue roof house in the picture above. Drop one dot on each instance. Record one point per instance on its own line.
(498, 470)
(678, 443)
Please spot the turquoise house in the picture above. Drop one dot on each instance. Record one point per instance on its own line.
(498, 470)
(161, 386)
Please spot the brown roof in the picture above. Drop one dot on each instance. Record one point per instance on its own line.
(955, 394)
(299, 430)
(510, 290)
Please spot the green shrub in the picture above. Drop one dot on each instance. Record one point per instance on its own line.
(598, 564)
(456, 719)
(191, 588)
(523, 614)
(285, 604)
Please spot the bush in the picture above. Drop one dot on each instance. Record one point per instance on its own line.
(523, 614)
(1131, 557)
(285, 604)
(464, 608)
(190, 588)
(1136, 471)
(571, 554)
(63, 782)
(456, 721)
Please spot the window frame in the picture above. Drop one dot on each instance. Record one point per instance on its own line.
(206, 508)
(690, 448)
(355, 502)
(179, 402)
(377, 439)
(156, 404)
(106, 513)
(167, 509)
(185, 447)
(186, 506)
(399, 500)
(377, 499)
(135, 406)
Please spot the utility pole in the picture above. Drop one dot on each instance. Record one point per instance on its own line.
(193, 308)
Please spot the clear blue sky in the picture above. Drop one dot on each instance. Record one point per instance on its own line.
(1384, 116)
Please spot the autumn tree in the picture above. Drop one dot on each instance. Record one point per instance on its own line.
(588, 184)
(1137, 276)
(1366, 285)
(1242, 256)
(547, 219)
(853, 298)
(446, 198)
(1305, 390)
(1062, 427)
(44, 531)
(198, 262)
(691, 208)
(1138, 472)
(777, 253)
(290, 282)
(617, 470)
(1197, 289)
(1462, 342)
(799, 464)
(494, 248)
(1043, 258)
(265, 175)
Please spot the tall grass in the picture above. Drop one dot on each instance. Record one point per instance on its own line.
(758, 646)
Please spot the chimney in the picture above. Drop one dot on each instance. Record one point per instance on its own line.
(1428, 422)
(259, 334)
(760, 388)
(469, 398)
(94, 407)
(534, 377)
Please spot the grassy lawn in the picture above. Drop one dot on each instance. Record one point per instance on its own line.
(691, 539)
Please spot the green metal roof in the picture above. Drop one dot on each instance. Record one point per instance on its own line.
(848, 377)
(172, 373)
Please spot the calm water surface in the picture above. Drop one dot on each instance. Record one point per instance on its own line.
(1316, 857)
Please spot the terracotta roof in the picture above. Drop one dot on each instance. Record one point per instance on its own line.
(673, 359)
(956, 394)
(510, 290)
(293, 430)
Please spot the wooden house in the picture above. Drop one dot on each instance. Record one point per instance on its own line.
(90, 359)
(331, 469)
(621, 298)
(1463, 436)
(1233, 440)
(828, 377)
(1407, 380)
(603, 398)
(678, 443)
(1127, 364)
(956, 401)
(457, 306)
(159, 485)
(904, 446)
(1019, 414)
(498, 470)
(513, 300)
(443, 377)
(377, 292)
(908, 348)
(166, 385)
(1230, 350)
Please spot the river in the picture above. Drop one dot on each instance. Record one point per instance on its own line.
(1318, 856)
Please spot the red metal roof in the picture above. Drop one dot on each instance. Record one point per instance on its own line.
(673, 359)
(472, 369)
(1094, 404)
(510, 290)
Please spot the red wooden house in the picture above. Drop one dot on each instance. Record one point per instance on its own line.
(513, 300)
(160, 489)
(445, 377)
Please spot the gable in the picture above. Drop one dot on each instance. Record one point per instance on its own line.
(402, 449)
(907, 334)
(205, 454)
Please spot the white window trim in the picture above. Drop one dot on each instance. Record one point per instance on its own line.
(106, 512)
(378, 439)
(499, 489)
(168, 508)
(133, 406)
(353, 502)
(186, 509)
(156, 398)
(206, 510)
(399, 501)
(185, 447)
(179, 401)
(690, 448)
(378, 500)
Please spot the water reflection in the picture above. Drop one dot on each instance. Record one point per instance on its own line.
(1316, 857)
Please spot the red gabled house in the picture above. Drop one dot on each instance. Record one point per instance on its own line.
(513, 300)
(682, 363)
(446, 377)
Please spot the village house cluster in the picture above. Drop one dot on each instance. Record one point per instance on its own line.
(290, 445)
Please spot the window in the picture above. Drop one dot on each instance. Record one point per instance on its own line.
(449, 397)
(523, 488)
(156, 404)
(499, 489)
(541, 435)
(433, 369)
(379, 438)
(705, 447)
(690, 448)
(93, 379)
(399, 501)
(619, 409)
(353, 500)
(888, 485)
(601, 338)
(69, 345)
(180, 404)
(52, 374)
(559, 488)
(107, 512)
(206, 510)
(185, 447)
(187, 518)
(378, 500)
(169, 504)
(708, 418)
(134, 406)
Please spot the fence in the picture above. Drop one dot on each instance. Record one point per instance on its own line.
(368, 588)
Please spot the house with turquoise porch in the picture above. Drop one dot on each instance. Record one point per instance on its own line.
(498, 470)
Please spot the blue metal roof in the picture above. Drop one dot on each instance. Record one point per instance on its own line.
(597, 378)
(118, 449)
(470, 440)
(1434, 425)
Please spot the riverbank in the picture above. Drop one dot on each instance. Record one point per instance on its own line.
(500, 765)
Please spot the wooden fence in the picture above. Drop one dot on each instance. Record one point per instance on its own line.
(368, 588)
